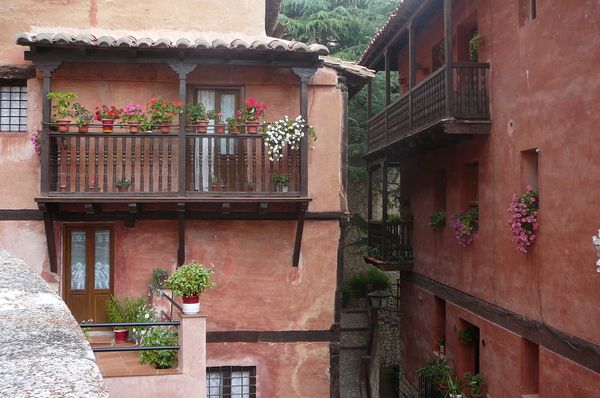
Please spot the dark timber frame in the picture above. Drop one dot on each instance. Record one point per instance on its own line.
(49, 57)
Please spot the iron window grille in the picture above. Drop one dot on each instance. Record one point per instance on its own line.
(13, 106)
(231, 382)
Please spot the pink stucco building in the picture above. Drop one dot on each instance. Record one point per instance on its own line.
(275, 243)
(495, 96)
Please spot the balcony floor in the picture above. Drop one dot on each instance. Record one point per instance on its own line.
(123, 363)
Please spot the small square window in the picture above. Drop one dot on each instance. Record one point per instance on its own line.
(231, 382)
(13, 107)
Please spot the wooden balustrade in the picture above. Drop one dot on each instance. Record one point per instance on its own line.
(430, 104)
(148, 164)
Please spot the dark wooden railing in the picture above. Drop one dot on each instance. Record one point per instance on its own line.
(96, 163)
(393, 240)
(430, 104)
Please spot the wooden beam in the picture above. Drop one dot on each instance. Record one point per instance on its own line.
(47, 210)
(573, 348)
(181, 225)
(276, 336)
(299, 232)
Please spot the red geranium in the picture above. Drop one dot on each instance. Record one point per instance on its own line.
(252, 109)
(105, 113)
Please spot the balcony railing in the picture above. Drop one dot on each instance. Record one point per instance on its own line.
(427, 104)
(391, 242)
(149, 164)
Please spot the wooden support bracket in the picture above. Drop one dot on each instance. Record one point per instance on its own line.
(263, 208)
(135, 208)
(181, 224)
(93, 208)
(226, 208)
(47, 211)
(303, 207)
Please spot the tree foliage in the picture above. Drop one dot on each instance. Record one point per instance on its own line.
(344, 26)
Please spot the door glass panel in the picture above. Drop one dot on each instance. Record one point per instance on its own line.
(102, 259)
(78, 263)
(228, 110)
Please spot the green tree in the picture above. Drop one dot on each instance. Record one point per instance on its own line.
(344, 26)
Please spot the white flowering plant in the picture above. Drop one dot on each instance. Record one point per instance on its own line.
(596, 240)
(285, 132)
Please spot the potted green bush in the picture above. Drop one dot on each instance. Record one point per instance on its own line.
(158, 336)
(198, 116)
(189, 281)
(442, 344)
(123, 184)
(476, 382)
(435, 371)
(438, 220)
(455, 386)
(281, 182)
(468, 336)
(120, 311)
(62, 109)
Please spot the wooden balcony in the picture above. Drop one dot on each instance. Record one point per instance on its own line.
(94, 164)
(392, 245)
(426, 118)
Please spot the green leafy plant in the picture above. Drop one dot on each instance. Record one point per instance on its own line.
(190, 280)
(455, 385)
(62, 109)
(282, 179)
(435, 368)
(158, 336)
(121, 311)
(468, 336)
(438, 220)
(82, 115)
(214, 115)
(362, 283)
(196, 112)
(474, 44)
(159, 277)
(476, 382)
(441, 50)
(394, 218)
(123, 183)
(234, 123)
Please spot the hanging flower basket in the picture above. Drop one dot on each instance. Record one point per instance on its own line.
(524, 221)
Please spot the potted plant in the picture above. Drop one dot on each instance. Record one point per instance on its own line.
(140, 311)
(216, 184)
(189, 281)
(83, 117)
(62, 109)
(133, 116)
(476, 382)
(438, 220)
(119, 311)
(435, 370)
(455, 386)
(197, 115)
(163, 112)
(107, 116)
(281, 182)
(94, 186)
(159, 277)
(234, 124)
(216, 117)
(158, 336)
(468, 336)
(420, 66)
(251, 111)
(442, 344)
(524, 209)
(250, 186)
(282, 133)
(120, 184)
(474, 44)
(407, 216)
(441, 55)
(465, 224)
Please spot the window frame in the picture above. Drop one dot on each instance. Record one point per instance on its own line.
(21, 126)
(225, 373)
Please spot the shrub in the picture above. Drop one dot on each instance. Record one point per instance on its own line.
(158, 336)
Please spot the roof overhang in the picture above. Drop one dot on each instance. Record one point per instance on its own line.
(195, 47)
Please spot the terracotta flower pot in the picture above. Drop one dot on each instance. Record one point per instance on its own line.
(84, 129)
(134, 127)
(165, 127)
(219, 128)
(202, 126)
(252, 126)
(63, 125)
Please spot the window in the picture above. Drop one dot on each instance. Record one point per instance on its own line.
(13, 106)
(231, 382)
(527, 11)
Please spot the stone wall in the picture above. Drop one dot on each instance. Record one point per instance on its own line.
(44, 352)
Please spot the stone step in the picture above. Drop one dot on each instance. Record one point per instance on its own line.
(350, 373)
(355, 320)
(354, 339)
